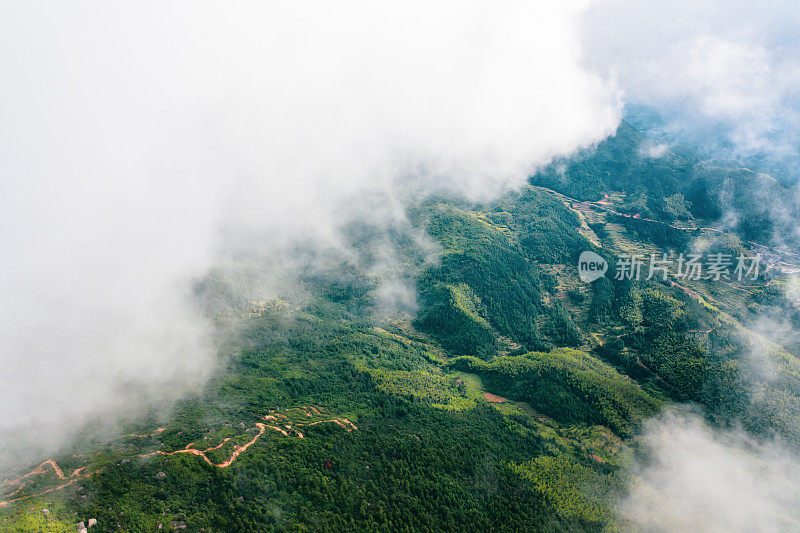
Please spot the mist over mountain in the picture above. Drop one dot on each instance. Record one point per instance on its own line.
(140, 152)
(721, 76)
(316, 266)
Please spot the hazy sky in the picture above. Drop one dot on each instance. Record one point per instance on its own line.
(723, 73)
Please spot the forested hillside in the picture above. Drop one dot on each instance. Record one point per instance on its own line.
(510, 399)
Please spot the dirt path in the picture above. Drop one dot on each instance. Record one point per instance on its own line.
(792, 259)
(577, 205)
(40, 470)
(202, 453)
(281, 423)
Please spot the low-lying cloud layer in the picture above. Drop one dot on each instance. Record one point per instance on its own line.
(696, 478)
(143, 146)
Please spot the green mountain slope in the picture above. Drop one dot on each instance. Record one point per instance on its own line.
(512, 399)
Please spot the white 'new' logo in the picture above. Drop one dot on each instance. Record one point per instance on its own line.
(591, 267)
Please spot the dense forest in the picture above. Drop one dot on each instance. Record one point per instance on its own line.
(507, 401)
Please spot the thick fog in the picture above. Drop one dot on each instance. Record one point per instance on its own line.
(144, 144)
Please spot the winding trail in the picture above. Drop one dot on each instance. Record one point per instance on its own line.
(40, 470)
(280, 422)
(202, 453)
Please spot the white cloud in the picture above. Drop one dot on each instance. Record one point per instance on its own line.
(696, 478)
(653, 150)
(723, 74)
(141, 144)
